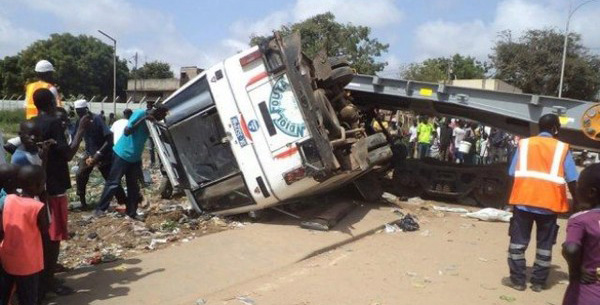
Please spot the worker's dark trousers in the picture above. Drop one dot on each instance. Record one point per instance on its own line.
(83, 176)
(520, 233)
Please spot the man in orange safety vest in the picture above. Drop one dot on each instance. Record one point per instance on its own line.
(45, 73)
(542, 168)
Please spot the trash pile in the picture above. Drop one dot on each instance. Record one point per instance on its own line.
(101, 240)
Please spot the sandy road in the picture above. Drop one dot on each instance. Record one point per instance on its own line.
(451, 260)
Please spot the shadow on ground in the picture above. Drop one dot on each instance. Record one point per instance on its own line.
(113, 276)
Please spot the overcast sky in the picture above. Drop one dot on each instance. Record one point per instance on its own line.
(202, 32)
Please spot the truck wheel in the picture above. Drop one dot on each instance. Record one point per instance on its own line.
(165, 188)
(330, 120)
(369, 187)
(406, 183)
(491, 194)
(376, 140)
(379, 155)
(468, 200)
(342, 76)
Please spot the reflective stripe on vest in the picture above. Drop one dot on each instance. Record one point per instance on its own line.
(552, 176)
(21, 250)
(539, 177)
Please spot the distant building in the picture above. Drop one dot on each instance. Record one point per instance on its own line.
(155, 89)
(188, 73)
(487, 84)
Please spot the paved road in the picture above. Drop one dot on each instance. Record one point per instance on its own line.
(451, 260)
(183, 273)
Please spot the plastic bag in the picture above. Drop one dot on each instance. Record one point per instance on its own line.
(490, 214)
(408, 223)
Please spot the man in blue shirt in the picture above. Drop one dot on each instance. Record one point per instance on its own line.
(525, 215)
(127, 160)
(98, 152)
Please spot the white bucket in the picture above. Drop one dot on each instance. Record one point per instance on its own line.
(464, 147)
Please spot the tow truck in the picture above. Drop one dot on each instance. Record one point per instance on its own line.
(270, 126)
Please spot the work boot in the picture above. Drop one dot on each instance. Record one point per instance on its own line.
(537, 287)
(509, 283)
(84, 206)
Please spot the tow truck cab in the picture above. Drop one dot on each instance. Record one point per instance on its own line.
(252, 132)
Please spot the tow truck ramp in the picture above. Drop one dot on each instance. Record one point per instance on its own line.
(517, 113)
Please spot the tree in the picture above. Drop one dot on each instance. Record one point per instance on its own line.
(153, 69)
(442, 68)
(11, 81)
(83, 64)
(323, 32)
(533, 63)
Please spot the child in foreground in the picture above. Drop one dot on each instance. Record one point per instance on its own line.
(24, 218)
(582, 247)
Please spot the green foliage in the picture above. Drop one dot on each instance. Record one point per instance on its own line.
(83, 64)
(323, 32)
(10, 120)
(153, 69)
(11, 82)
(533, 63)
(443, 68)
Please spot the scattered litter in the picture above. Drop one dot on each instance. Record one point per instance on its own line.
(564, 282)
(407, 223)
(451, 210)
(418, 285)
(246, 300)
(450, 270)
(185, 240)
(484, 286)
(391, 228)
(425, 233)
(411, 274)
(415, 201)
(398, 212)
(154, 242)
(391, 198)
(200, 302)
(490, 214)
(108, 257)
(120, 269)
(508, 298)
(485, 260)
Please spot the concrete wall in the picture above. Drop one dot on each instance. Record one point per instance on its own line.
(94, 107)
(167, 84)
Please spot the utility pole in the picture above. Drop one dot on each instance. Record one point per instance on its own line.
(564, 54)
(114, 71)
(135, 76)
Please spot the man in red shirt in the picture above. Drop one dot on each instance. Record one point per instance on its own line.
(21, 253)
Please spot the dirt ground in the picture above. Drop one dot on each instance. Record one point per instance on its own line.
(450, 260)
(114, 237)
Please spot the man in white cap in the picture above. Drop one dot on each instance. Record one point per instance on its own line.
(98, 152)
(45, 74)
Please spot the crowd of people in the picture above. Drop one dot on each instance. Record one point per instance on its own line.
(34, 184)
(459, 141)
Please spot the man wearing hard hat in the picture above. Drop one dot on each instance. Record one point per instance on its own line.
(45, 73)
